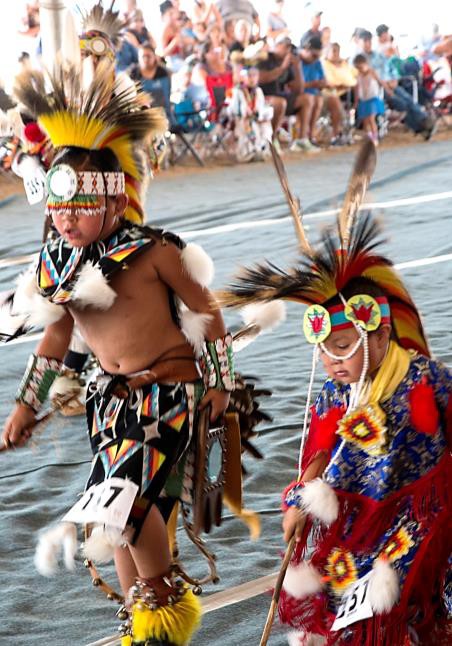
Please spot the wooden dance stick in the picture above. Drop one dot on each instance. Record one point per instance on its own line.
(277, 592)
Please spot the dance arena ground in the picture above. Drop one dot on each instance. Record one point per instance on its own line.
(239, 215)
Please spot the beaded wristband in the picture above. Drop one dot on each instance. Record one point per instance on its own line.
(217, 364)
(37, 380)
(291, 495)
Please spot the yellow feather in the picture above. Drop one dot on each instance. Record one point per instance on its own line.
(72, 129)
(175, 624)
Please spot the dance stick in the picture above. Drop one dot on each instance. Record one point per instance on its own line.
(277, 592)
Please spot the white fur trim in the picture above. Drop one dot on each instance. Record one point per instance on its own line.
(320, 501)
(265, 315)
(63, 386)
(9, 322)
(101, 545)
(194, 325)
(27, 300)
(61, 537)
(384, 587)
(302, 580)
(92, 288)
(198, 264)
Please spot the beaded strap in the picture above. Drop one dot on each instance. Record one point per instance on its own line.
(291, 495)
(217, 364)
(37, 380)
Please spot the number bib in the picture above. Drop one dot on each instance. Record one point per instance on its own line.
(106, 503)
(355, 604)
(34, 188)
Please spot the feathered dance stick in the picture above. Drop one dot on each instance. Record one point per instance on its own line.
(292, 201)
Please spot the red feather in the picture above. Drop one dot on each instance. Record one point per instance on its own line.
(33, 133)
(322, 434)
(424, 411)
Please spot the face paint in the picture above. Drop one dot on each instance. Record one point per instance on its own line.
(86, 205)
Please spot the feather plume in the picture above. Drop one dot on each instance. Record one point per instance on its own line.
(91, 109)
(292, 201)
(106, 21)
(322, 273)
(359, 181)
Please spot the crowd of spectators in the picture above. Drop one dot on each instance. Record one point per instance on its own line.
(223, 64)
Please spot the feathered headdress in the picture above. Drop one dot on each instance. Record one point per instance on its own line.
(102, 21)
(94, 115)
(347, 251)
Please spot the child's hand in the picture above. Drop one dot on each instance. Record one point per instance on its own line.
(17, 429)
(218, 400)
(293, 523)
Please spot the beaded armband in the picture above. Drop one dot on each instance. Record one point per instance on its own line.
(37, 380)
(291, 495)
(217, 364)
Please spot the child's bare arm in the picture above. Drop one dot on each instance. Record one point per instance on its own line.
(172, 271)
(17, 429)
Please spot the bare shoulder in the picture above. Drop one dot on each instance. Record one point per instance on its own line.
(165, 253)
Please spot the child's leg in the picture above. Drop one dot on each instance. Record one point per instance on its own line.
(125, 568)
(151, 553)
(373, 127)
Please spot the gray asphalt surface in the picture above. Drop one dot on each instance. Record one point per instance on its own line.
(38, 485)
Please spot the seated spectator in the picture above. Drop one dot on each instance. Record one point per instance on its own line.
(368, 103)
(188, 37)
(191, 101)
(242, 33)
(314, 83)
(251, 117)
(172, 48)
(215, 73)
(282, 83)
(325, 37)
(207, 13)
(240, 9)
(385, 43)
(396, 97)
(276, 25)
(216, 36)
(137, 33)
(228, 34)
(340, 77)
(153, 77)
(314, 31)
(126, 56)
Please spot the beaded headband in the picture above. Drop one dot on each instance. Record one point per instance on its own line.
(64, 183)
(361, 310)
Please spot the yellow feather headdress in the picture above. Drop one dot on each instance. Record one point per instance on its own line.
(94, 115)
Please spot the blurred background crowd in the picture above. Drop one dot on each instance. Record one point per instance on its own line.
(233, 76)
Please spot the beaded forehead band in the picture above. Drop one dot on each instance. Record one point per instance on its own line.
(64, 183)
(361, 311)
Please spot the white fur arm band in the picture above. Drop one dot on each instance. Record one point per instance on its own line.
(217, 364)
(37, 380)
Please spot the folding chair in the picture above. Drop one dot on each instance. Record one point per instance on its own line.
(160, 91)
